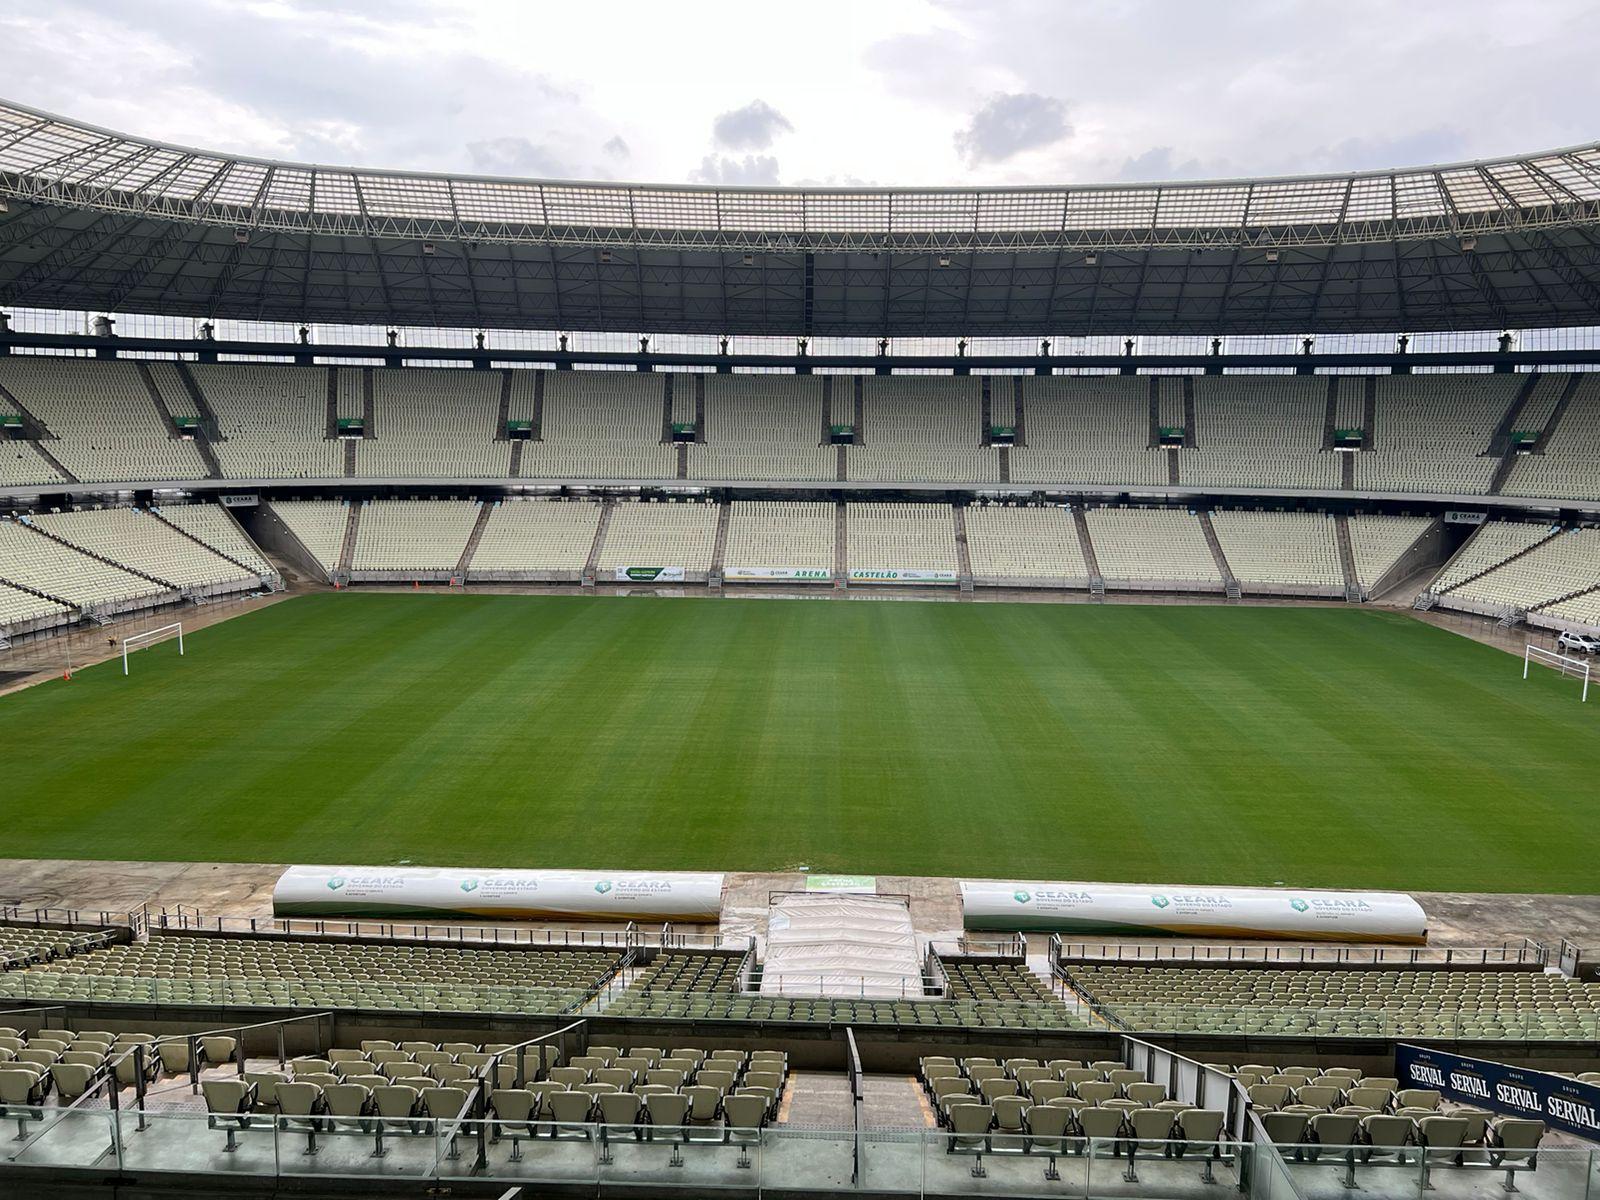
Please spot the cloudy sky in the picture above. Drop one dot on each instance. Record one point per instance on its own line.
(869, 91)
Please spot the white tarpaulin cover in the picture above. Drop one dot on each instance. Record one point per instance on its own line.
(1111, 908)
(835, 944)
(462, 891)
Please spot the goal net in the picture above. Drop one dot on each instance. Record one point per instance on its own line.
(138, 641)
(1575, 668)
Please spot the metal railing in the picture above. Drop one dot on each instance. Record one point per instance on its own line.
(1525, 953)
(857, 1103)
(490, 936)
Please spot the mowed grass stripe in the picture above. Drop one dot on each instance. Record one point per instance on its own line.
(1166, 743)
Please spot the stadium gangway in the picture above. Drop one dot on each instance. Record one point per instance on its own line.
(487, 935)
(672, 938)
(1525, 952)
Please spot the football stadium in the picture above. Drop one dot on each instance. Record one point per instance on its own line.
(518, 687)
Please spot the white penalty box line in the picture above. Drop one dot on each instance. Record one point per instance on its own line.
(150, 635)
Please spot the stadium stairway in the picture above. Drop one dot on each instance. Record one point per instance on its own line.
(963, 553)
(515, 469)
(350, 458)
(1553, 422)
(1500, 440)
(202, 404)
(607, 508)
(464, 563)
(1330, 417)
(503, 413)
(1230, 582)
(199, 437)
(1347, 559)
(332, 429)
(1097, 581)
(155, 579)
(719, 548)
(347, 550)
(841, 543)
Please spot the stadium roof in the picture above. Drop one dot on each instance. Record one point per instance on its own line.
(97, 220)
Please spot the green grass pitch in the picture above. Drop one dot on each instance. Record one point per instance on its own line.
(1166, 743)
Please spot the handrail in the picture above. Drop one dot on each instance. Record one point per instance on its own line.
(488, 1073)
(857, 1104)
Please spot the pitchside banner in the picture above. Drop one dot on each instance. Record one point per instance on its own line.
(536, 895)
(1516, 1091)
(797, 574)
(1108, 908)
(649, 574)
(873, 575)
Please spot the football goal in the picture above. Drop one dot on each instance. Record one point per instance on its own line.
(137, 641)
(1576, 668)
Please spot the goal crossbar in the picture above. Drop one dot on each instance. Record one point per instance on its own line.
(150, 635)
(1575, 667)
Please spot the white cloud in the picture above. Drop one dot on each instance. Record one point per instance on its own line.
(751, 169)
(752, 127)
(1010, 123)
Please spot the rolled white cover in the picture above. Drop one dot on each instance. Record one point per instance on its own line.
(1153, 909)
(432, 892)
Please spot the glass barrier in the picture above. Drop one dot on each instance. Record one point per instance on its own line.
(1556, 1023)
(708, 1157)
(1324, 1172)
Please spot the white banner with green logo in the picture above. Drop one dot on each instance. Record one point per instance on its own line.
(1109, 908)
(649, 574)
(308, 891)
(790, 574)
(896, 575)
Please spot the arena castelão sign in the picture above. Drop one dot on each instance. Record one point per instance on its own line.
(1109, 908)
(429, 892)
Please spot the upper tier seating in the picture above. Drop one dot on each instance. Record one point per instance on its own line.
(901, 537)
(434, 422)
(1281, 552)
(547, 538)
(1432, 433)
(1088, 430)
(923, 428)
(601, 425)
(413, 535)
(273, 420)
(105, 425)
(1569, 467)
(786, 536)
(763, 427)
(1297, 1002)
(1260, 431)
(1150, 548)
(1024, 544)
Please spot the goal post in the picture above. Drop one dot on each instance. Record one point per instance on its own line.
(1575, 668)
(135, 640)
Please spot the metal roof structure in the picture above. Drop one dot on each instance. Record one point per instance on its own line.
(97, 220)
